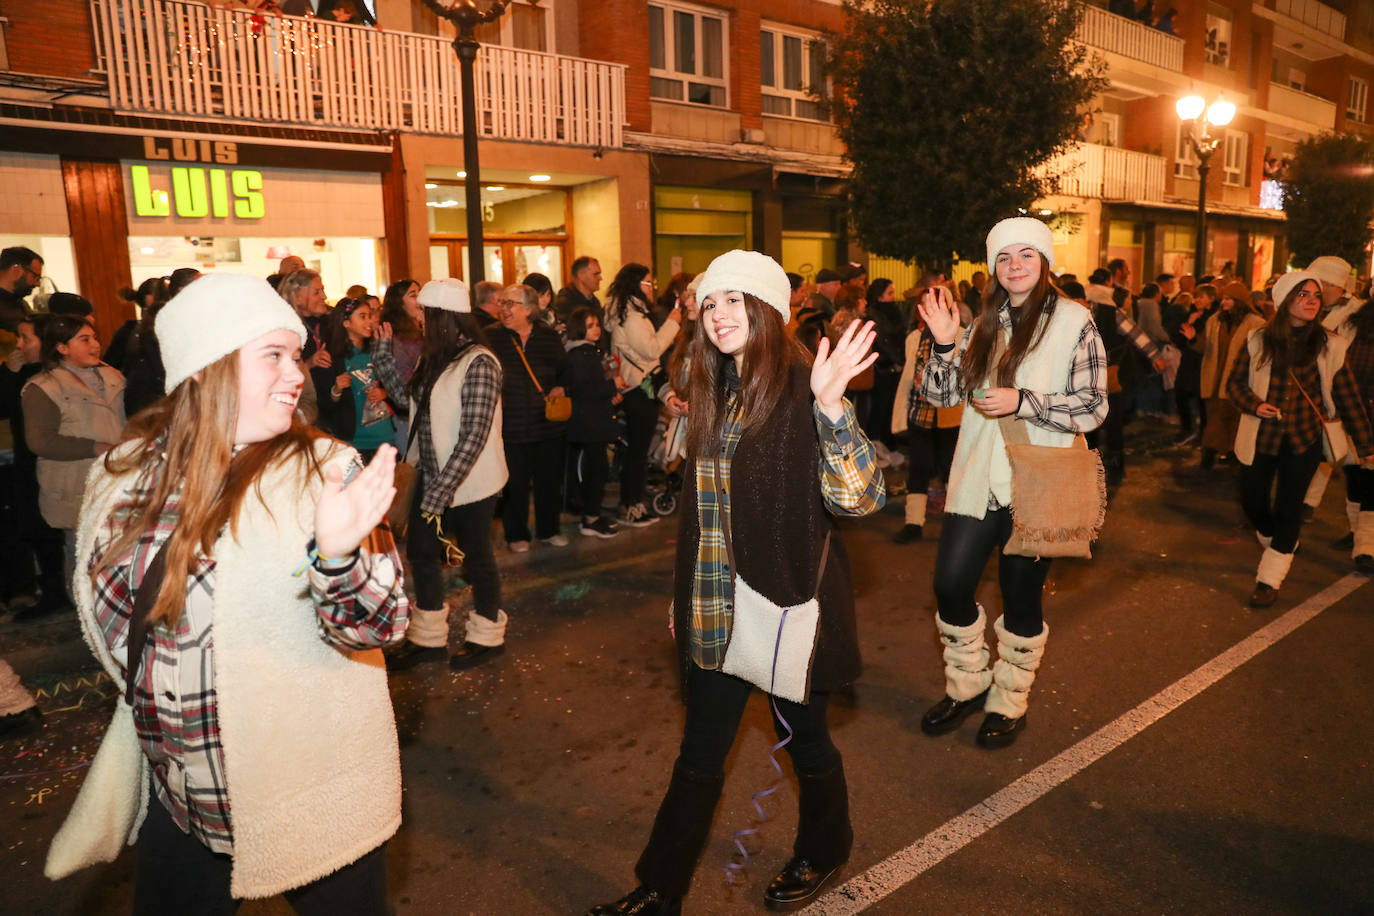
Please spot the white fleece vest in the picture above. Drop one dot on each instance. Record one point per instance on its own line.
(309, 736)
(488, 474)
(980, 465)
(1328, 363)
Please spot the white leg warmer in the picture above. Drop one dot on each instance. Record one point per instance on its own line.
(1317, 488)
(966, 657)
(1352, 515)
(486, 632)
(428, 628)
(1264, 540)
(1364, 536)
(1273, 567)
(916, 509)
(1018, 657)
(13, 697)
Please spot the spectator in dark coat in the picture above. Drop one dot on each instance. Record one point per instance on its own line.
(593, 427)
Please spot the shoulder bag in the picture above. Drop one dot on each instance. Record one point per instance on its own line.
(770, 646)
(1058, 495)
(1333, 431)
(557, 407)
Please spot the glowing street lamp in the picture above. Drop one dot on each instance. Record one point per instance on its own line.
(1194, 108)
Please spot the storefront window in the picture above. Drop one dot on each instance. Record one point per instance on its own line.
(341, 261)
(59, 267)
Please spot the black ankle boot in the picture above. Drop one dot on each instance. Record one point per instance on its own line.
(824, 838)
(946, 715)
(999, 731)
(640, 902)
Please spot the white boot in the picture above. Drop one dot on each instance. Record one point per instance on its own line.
(1264, 539)
(1364, 535)
(1273, 567)
(1018, 657)
(1317, 488)
(966, 657)
(916, 509)
(484, 632)
(1352, 515)
(428, 628)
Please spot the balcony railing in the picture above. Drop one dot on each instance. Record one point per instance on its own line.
(180, 58)
(1107, 173)
(1114, 33)
(1311, 13)
(1302, 106)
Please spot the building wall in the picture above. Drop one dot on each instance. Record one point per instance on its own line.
(34, 202)
(51, 37)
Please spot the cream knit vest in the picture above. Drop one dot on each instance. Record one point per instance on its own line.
(85, 415)
(980, 464)
(488, 474)
(309, 736)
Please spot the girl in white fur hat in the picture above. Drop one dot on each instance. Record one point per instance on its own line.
(1288, 380)
(1052, 377)
(259, 756)
(771, 442)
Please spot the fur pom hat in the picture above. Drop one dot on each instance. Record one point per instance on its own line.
(449, 294)
(1331, 269)
(216, 315)
(749, 272)
(1022, 230)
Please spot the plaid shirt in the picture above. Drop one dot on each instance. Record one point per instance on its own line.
(358, 606)
(1298, 423)
(1359, 359)
(919, 411)
(1137, 337)
(480, 395)
(851, 484)
(1079, 408)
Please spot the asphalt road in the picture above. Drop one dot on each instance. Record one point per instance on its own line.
(1183, 753)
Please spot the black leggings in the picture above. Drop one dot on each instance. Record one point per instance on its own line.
(965, 545)
(1272, 490)
(930, 453)
(470, 527)
(176, 874)
(594, 467)
(641, 415)
(715, 705)
(1359, 486)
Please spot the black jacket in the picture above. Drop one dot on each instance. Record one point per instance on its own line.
(145, 378)
(522, 405)
(593, 414)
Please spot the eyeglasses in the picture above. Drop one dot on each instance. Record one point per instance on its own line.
(37, 275)
(510, 302)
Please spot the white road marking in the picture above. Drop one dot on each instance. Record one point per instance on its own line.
(903, 866)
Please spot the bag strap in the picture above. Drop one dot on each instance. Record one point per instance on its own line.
(1321, 414)
(730, 543)
(1013, 433)
(147, 594)
(521, 350)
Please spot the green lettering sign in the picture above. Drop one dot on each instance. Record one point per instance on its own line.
(147, 202)
(248, 188)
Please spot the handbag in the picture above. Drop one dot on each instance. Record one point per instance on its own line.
(949, 417)
(114, 794)
(1333, 431)
(1058, 496)
(769, 646)
(557, 407)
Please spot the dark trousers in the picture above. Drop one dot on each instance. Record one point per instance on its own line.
(1186, 402)
(965, 545)
(593, 467)
(28, 538)
(641, 415)
(930, 452)
(1359, 486)
(715, 705)
(1272, 489)
(177, 875)
(536, 465)
(470, 527)
(1110, 437)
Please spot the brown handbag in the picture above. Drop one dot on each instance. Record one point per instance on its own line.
(1058, 495)
(557, 407)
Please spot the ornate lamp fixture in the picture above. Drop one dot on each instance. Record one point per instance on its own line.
(1194, 108)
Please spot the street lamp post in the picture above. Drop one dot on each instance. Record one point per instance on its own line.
(1194, 108)
(466, 16)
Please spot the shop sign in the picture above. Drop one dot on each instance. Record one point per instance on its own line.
(198, 193)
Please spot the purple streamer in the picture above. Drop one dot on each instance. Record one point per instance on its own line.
(735, 867)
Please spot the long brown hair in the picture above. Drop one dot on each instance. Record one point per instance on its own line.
(1287, 347)
(770, 355)
(185, 440)
(1026, 324)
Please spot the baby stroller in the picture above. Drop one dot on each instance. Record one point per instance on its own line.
(667, 457)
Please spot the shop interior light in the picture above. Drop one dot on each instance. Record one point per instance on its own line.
(1189, 107)
(430, 186)
(541, 178)
(145, 251)
(1047, 213)
(1221, 113)
(462, 174)
(496, 187)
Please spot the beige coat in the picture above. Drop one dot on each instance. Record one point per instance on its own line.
(1216, 366)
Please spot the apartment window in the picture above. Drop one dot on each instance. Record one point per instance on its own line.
(687, 54)
(1185, 163)
(526, 26)
(1217, 47)
(1358, 103)
(1297, 79)
(792, 67)
(1235, 152)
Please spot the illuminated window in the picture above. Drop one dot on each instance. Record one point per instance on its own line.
(1358, 102)
(1236, 147)
(792, 66)
(688, 48)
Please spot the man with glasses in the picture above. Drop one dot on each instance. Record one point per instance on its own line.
(21, 270)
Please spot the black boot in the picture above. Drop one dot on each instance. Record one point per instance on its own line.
(824, 838)
(946, 715)
(679, 834)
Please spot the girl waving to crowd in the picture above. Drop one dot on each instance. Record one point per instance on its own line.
(774, 451)
(1030, 363)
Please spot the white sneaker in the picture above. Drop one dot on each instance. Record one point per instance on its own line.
(558, 540)
(598, 528)
(636, 516)
(519, 546)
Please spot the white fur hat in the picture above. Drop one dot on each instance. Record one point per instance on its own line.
(449, 294)
(1020, 230)
(1331, 269)
(214, 316)
(1289, 282)
(749, 272)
